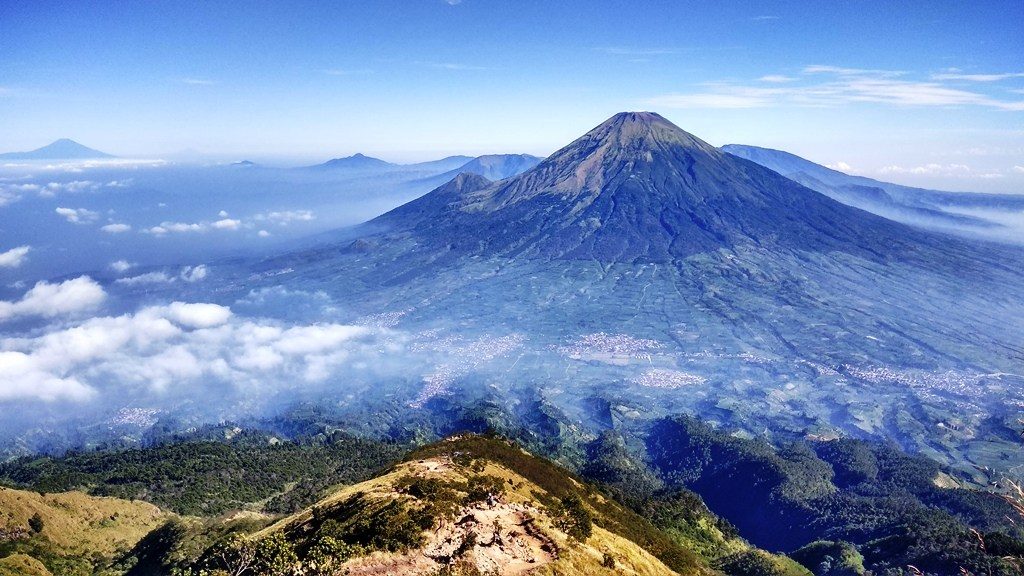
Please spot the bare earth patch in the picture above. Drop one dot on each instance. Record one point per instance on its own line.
(496, 537)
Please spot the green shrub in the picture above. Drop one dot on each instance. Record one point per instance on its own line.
(482, 487)
(36, 523)
(572, 517)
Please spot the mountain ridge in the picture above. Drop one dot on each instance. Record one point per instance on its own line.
(495, 166)
(950, 212)
(484, 500)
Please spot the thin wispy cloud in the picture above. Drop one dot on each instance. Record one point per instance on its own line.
(959, 171)
(639, 52)
(831, 86)
(147, 278)
(731, 98)
(453, 66)
(116, 228)
(286, 216)
(189, 274)
(843, 71)
(776, 79)
(945, 169)
(197, 81)
(977, 77)
(282, 218)
(764, 18)
(342, 72)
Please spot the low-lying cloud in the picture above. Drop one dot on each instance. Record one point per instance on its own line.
(944, 170)
(285, 216)
(52, 300)
(12, 192)
(176, 227)
(121, 266)
(186, 274)
(178, 347)
(227, 224)
(78, 215)
(116, 228)
(280, 218)
(14, 257)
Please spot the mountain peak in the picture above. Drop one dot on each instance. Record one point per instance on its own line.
(61, 149)
(638, 187)
(642, 146)
(643, 131)
(357, 161)
(466, 182)
(638, 119)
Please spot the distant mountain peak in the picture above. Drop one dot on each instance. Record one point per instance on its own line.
(357, 161)
(60, 149)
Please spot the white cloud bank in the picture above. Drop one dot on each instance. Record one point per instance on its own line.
(281, 218)
(51, 300)
(14, 257)
(943, 170)
(13, 192)
(285, 216)
(179, 348)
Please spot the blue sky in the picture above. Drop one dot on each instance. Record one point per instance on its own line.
(928, 93)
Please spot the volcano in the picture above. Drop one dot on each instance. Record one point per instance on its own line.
(63, 149)
(643, 272)
(638, 188)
